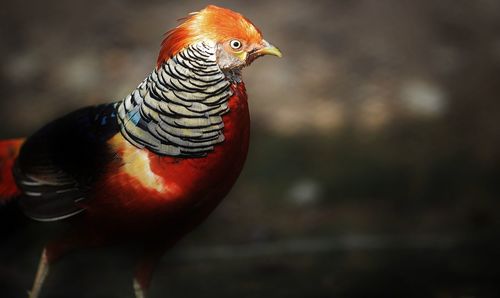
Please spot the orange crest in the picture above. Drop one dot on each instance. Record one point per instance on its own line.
(213, 23)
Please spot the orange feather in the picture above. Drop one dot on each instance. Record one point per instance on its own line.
(212, 23)
(9, 149)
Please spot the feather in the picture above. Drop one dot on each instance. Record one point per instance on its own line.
(59, 163)
(180, 106)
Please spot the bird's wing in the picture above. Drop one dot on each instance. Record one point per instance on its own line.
(58, 165)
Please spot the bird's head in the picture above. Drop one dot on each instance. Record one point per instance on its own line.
(236, 38)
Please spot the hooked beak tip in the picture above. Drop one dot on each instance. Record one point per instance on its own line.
(269, 49)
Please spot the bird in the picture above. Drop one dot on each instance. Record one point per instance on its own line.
(148, 169)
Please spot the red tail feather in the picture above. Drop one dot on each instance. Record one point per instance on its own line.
(9, 150)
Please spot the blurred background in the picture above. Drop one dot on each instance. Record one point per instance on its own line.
(375, 156)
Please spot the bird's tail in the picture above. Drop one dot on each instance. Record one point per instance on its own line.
(9, 149)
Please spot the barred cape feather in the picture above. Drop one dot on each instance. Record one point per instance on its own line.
(177, 110)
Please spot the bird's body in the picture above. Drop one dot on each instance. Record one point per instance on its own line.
(148, 169)
(145, 192)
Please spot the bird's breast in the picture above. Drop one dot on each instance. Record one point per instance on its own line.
(142, 181)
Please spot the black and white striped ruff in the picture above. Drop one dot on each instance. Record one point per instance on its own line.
(177, 110)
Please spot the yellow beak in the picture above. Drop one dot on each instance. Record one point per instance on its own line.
(269, 49)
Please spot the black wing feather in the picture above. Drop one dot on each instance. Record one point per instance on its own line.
(58, 165)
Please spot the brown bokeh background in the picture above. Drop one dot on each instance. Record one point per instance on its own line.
(375, 157)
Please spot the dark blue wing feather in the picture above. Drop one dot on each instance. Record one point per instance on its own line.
(58, 165)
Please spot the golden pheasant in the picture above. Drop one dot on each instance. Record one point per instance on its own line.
(148, 169)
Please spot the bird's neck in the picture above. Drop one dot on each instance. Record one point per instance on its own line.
(233, 75)
(177, 110)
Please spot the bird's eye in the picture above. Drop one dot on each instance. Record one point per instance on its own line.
(235, 44)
